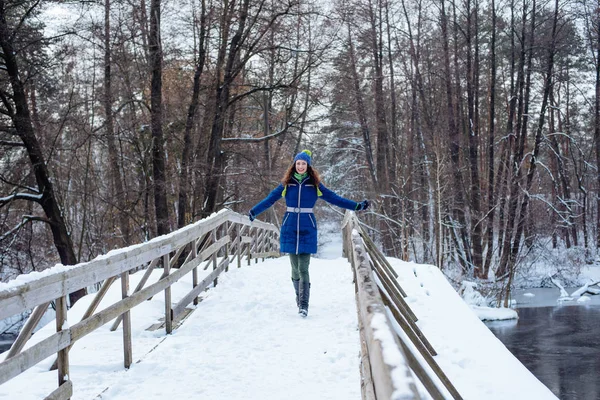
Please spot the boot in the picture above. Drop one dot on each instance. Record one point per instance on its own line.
(304, 295)
(296, 283)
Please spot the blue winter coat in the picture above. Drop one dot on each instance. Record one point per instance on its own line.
(299, 230)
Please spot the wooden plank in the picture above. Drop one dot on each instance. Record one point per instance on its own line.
(214, 256)
(175, 257)
(247, 239)
(415, 366)
(127, 349)
(410, 327)
(177, 321)
(139, 287)
(97, 320)
(379, 254)
(194, 254)
(213, 248)
(33, 355)
(63, 355)
(64, 392)
(393, 291)
(99, 296)
(243, 219)
(370, 307)
(188, 298)
(366, 381)
(201, 241)
(27, 330)
(168, 311)
(267, 254)
(30, 294)
(227, 248)
(238, 246)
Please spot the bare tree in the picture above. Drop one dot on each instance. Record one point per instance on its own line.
(16, 108)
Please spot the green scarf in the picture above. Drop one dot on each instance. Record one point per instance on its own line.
(300, 178)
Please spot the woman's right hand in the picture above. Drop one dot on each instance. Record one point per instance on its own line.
(363, 205)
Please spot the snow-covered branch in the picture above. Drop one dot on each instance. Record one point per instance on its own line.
(11, 144)
(26, 219)
(20, 196)
(258, 139)
(563, 293)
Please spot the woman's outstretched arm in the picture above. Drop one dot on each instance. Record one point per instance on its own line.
(267, 202)
(331, 197)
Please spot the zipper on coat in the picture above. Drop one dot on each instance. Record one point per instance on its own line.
(298, 219)
(285, 219)
(311, 220)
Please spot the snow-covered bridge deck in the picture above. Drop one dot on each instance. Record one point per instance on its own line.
(245, 341)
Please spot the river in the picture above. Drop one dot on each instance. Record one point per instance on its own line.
(6, 340)
(559, 344)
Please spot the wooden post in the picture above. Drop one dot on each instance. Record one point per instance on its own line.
(168, 312)
(249, 245)
(139, 287)
(214, 256)
(127, 351)
(226, 228)
(195, 270)
(239, 245)
(63, 355)
(258, 243)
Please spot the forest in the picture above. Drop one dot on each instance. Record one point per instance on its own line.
(473, 127)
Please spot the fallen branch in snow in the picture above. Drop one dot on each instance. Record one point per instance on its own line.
(579, 292)
(586, 289)
(563, 293)
(593, 291)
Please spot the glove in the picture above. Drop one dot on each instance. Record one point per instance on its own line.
(363, 205)
(251, 216)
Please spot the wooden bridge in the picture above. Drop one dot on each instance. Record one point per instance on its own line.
(222, 241)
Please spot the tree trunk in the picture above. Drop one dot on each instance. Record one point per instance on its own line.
(118, 191)
(459, 204)
(360, 110)
(381, 124)
(597, 124)
(216, 159)
(524, 87)
(491, 145)
(24, 129)
(476, 235)
(538, 140)
(158, 150)
(184, 176)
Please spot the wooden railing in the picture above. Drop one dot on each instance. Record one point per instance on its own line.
(224, 236)
(392, 345)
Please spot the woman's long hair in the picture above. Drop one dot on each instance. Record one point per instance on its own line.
(312, 173)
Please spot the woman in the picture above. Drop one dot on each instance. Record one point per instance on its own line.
(301, 187)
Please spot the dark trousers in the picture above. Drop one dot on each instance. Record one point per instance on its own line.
(300, 263)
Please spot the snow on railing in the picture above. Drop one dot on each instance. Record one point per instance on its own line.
(225, 235)
(394, 351)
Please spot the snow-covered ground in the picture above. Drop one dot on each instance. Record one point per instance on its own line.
(246, 341)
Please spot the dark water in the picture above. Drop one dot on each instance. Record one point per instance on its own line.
(560, 345)
(6, 340)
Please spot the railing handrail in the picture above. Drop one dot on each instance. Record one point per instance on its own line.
(199, 239)
(15, 299)
(380, 297)
(376, 333)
